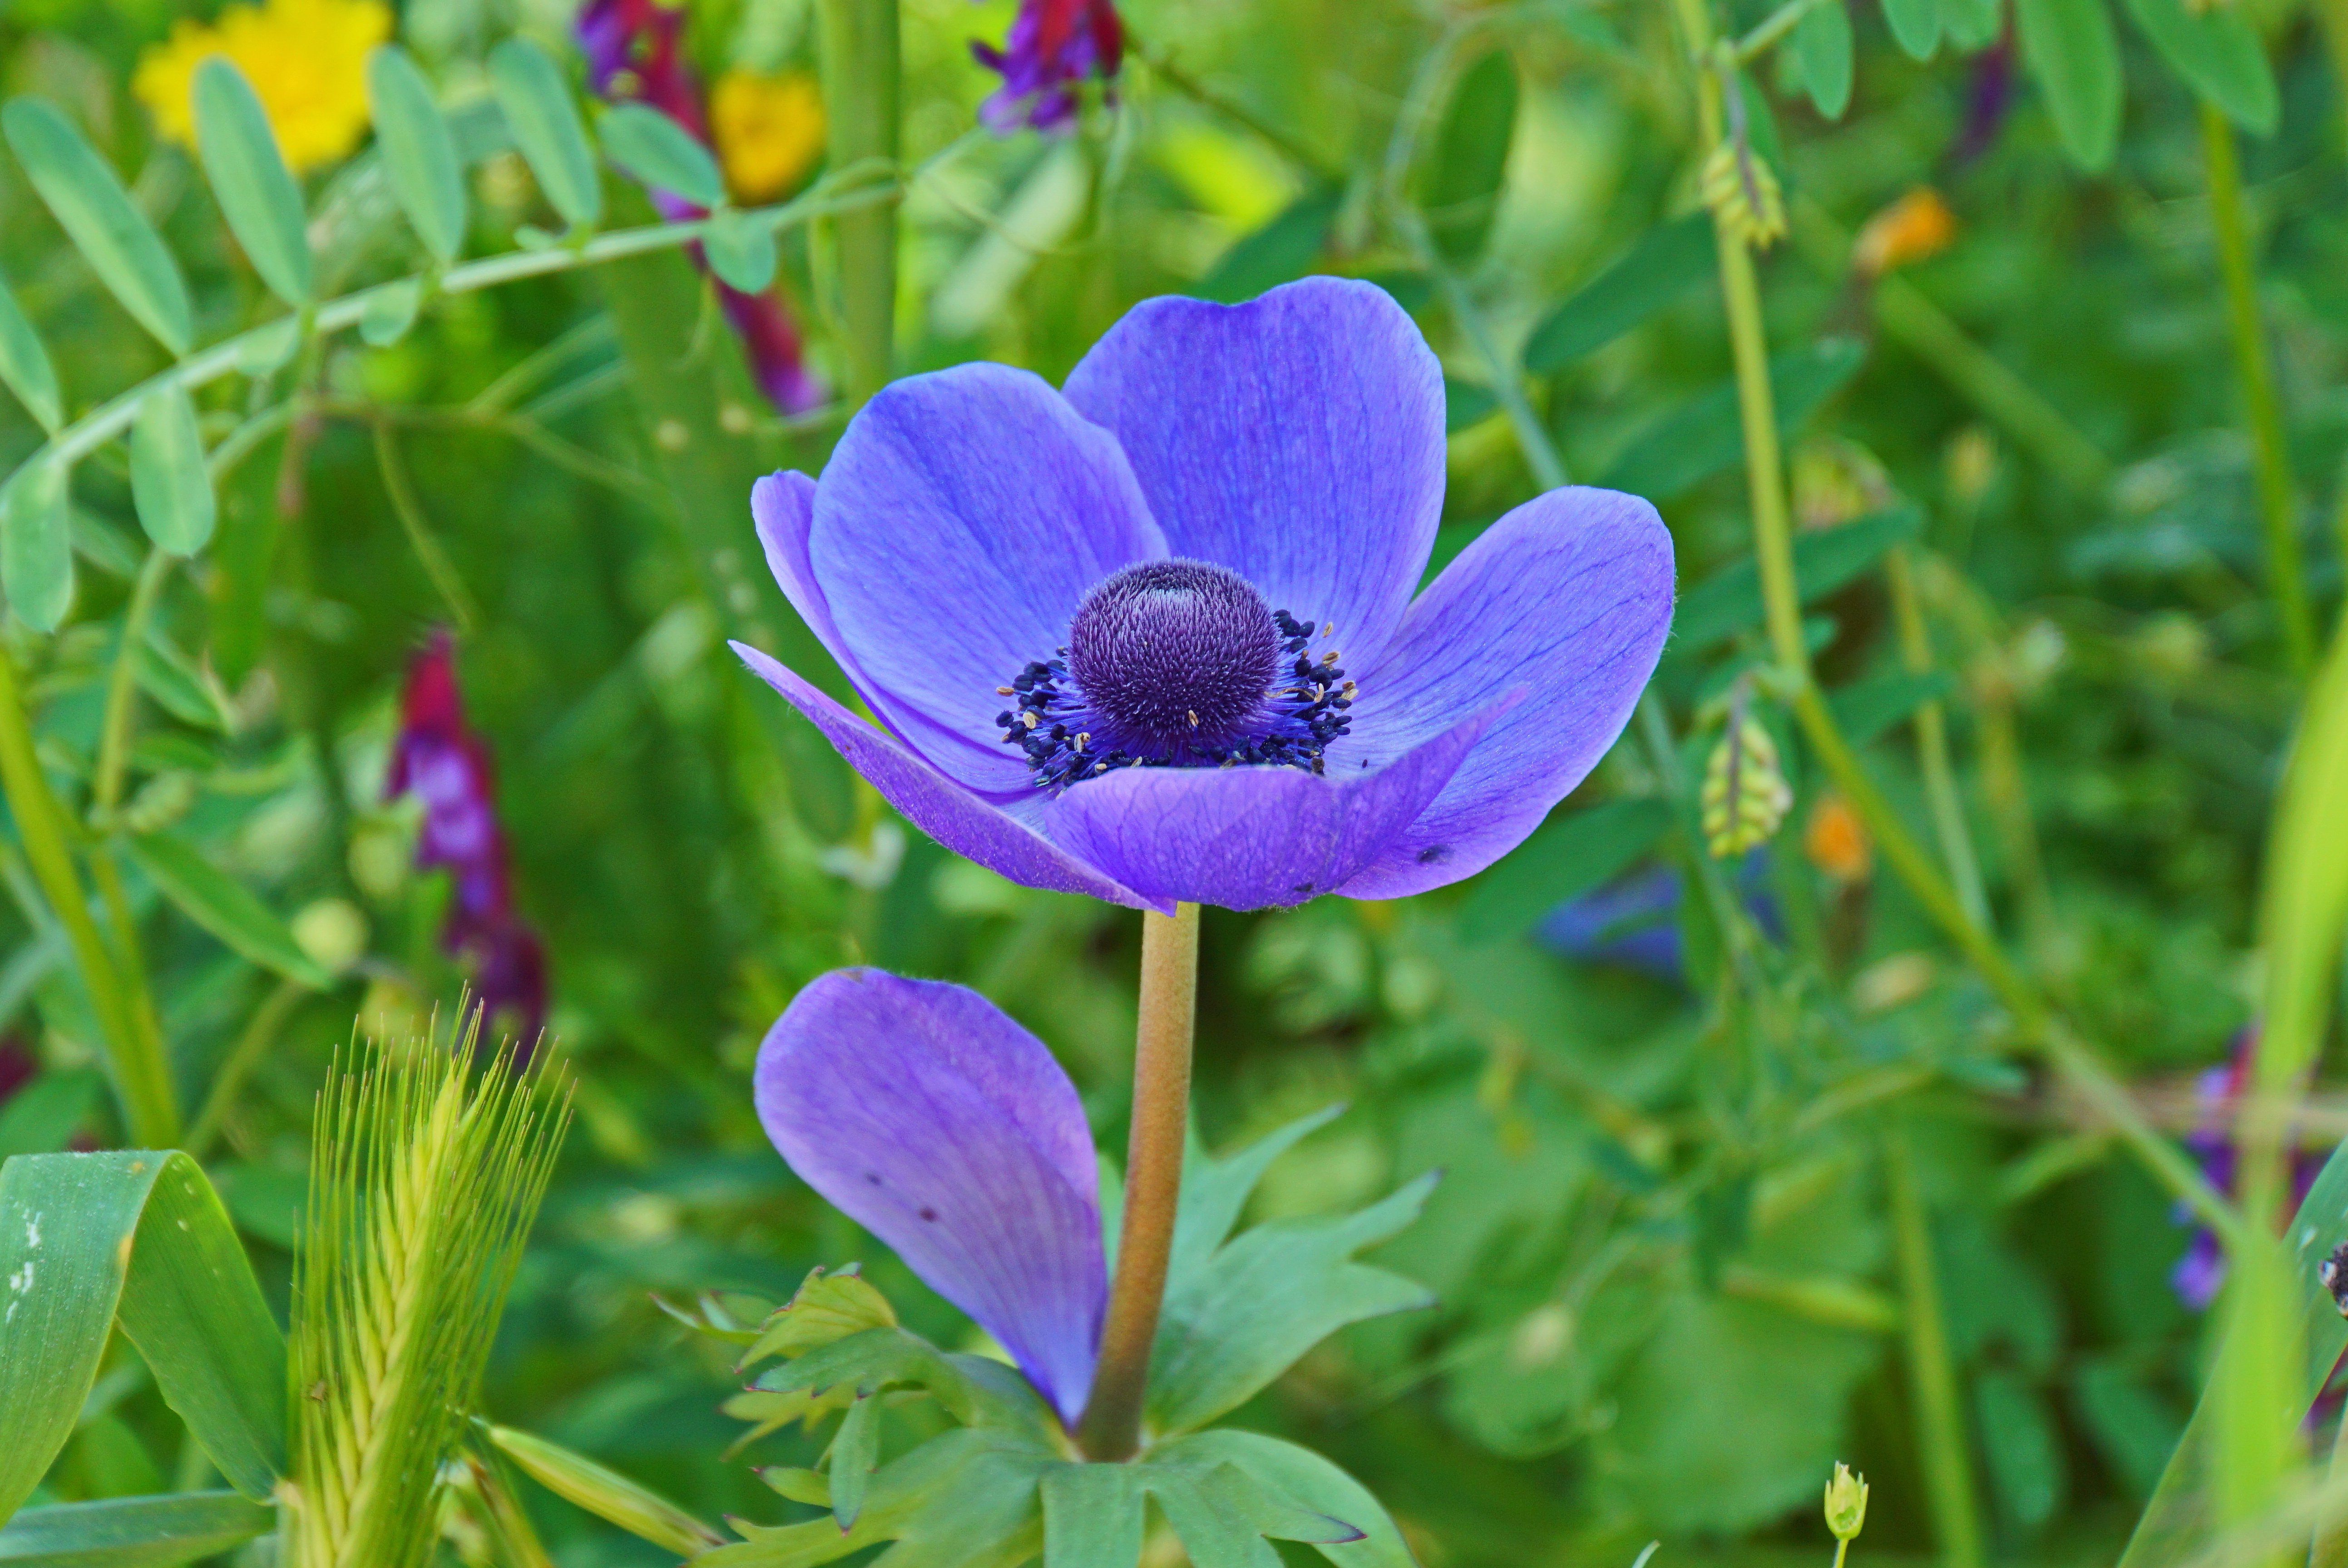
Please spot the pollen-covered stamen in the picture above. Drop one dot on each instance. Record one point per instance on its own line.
(1178, 664)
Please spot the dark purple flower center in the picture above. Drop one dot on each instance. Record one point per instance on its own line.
(1177, 664)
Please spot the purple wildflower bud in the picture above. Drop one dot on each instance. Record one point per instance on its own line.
(1989, 95)
(634, 54)
(2200, 1273)
(928, 1116)
(437, 758)
(1058, 603)
(1053, 46)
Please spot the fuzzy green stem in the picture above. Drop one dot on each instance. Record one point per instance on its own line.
(1842, 1547)
(2271, 461)
(122, 688)
(1932, 743)
(860, 90)
(1939, 1415)
(1111, 1427)
(142, 1079)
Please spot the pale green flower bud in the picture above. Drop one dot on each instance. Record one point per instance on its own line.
(1846, 1503)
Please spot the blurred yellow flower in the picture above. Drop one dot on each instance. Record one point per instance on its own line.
(768, 131)
(1916, 226)
(306, 59)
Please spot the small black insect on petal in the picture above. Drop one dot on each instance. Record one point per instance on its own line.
(2333, 1275)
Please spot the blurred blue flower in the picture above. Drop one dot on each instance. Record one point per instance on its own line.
(1634, 922)
(1100, 628)
(928, 1116)
(1052, 44)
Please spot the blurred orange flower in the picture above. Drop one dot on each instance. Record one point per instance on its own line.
(768, 131)
(1837, 841)
(1913, 229)
(306, 60)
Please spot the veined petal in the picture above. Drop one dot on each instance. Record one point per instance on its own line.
(782, 507)
(1253, 837)
(964, 821)
(1297, 440)
(928, 1116)
(956, 528)
(1571, 595)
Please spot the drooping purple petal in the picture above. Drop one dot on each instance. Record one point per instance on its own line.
(940, 1125)
(1570, 594)
(1254, 838)
(960, 521)
(974, 826)
(1297, 440)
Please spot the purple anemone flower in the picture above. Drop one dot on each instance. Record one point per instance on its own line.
(1053, 46)
(1101, 627)
(921, 1112)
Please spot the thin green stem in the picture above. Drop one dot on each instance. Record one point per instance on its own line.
(861, 88)
(1111, 1427)
(112, 417)
(1842, 1547)
(1939, 1415)
(122, 688)
(142, 1079)
(2271, 461)
(1771, 30)
(1932, 743)
(1162, 65)
(420, 537)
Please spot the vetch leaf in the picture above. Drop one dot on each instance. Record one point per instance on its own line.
(2074, 55)
(1705, 435)
(741, 252)
(1266, 1299)
(133, 1532)
(1284, 248)
(1915, 27)
(1464, 404)
(95, 213)
(257, 195)
(224, 906)
(1972, 23)
(2218, 54)
(25, 365)
(37, 544)
(653, 150)
(545, 123)
(1470, 156)
(1868, 709)
(390, 312)
(84, 1237)
(417, 153)
(1664, 264)
(1566, 858)
(1822, 49)
(605, 1492)
(168, 482)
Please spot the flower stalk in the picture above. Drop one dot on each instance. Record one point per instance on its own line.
(1939, 1412)
(2269, 458)
(1111, 1427)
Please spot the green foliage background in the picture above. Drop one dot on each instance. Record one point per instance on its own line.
(1665, 1244)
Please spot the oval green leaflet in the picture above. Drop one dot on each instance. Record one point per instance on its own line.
(647, 145)
(95, 211)
(741, 252)
(257, 193)
(169, 484)
(2219, 56)
(2074, 53)
(37, 544)
(417, 151)
(546, 126)
(25, 365)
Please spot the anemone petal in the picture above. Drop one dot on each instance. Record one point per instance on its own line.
(928, 1116)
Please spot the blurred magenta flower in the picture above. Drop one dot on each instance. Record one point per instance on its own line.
(1053, 46)
(634, 54)
(928, 1116)
(437, 758)
(1100, 628)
